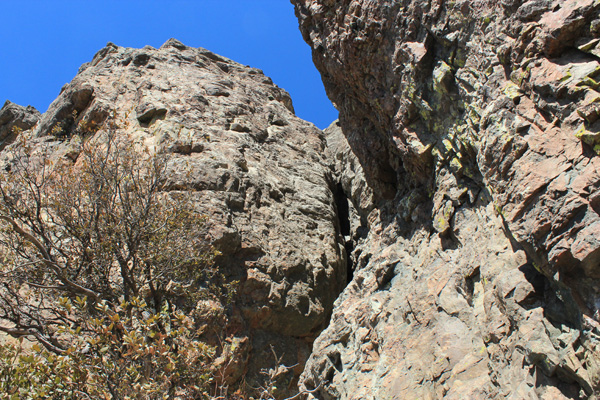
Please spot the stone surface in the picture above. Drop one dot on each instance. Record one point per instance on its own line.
(14, 119)
(474, 131)
(458, 194)
(258, 173)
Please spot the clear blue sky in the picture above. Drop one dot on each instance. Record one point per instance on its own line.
(43, 42)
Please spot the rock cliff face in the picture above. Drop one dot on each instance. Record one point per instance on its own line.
(457, 194)
(258, 172)
(468, 145)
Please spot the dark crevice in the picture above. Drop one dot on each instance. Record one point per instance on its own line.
(349, 247)
(342, 205)
(449, 241)
(336, 361)
(470, 282)
(148, 117)
(539, 282)
(343, 209)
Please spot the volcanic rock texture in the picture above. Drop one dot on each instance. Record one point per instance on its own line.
(468, 144)
(257, 171)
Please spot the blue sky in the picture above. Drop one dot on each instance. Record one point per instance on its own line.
(43, 42)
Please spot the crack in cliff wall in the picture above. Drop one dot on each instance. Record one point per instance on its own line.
(342, 207)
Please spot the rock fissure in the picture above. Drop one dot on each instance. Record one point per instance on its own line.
(342, 206)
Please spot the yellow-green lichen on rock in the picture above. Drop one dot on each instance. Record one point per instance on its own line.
(588, 137)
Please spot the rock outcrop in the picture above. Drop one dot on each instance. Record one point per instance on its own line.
(457, 194)
(14, 119)
(472, 169)
(257, 171)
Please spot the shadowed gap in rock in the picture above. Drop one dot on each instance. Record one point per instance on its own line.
(343, 215)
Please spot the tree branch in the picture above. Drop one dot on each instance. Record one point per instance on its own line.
(48, 261)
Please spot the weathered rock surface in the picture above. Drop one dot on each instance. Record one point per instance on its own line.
(461, 183)
(257, 171)
(472, 170)
(13, 119)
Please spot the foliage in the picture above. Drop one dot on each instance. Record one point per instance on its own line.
(127, 354)
(95, 255)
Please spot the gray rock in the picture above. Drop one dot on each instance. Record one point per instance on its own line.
(270, 207)
(14, 119)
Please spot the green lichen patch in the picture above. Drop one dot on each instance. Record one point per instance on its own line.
(442, 75)
(590, 138)
(512, 91)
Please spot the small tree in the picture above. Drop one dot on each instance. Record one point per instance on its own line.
(94, 255)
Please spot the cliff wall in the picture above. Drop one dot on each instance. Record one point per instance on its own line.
(473, 127)
(456, 197)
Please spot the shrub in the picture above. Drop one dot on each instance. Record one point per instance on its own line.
(94, 255)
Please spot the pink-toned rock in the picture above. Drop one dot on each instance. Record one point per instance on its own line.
(456, 111)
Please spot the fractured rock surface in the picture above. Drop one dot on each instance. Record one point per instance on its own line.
(460, 183)
(258, 172)
(13, 119)
(472, 128)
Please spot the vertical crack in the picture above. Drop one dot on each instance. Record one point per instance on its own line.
(342, 205)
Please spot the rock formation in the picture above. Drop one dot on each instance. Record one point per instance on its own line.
(257, 171)
(13, 119)
(471, 163)
(457, 194)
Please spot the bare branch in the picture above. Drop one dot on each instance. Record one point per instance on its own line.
(48, 261)
(16, 333)
(304, 392)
